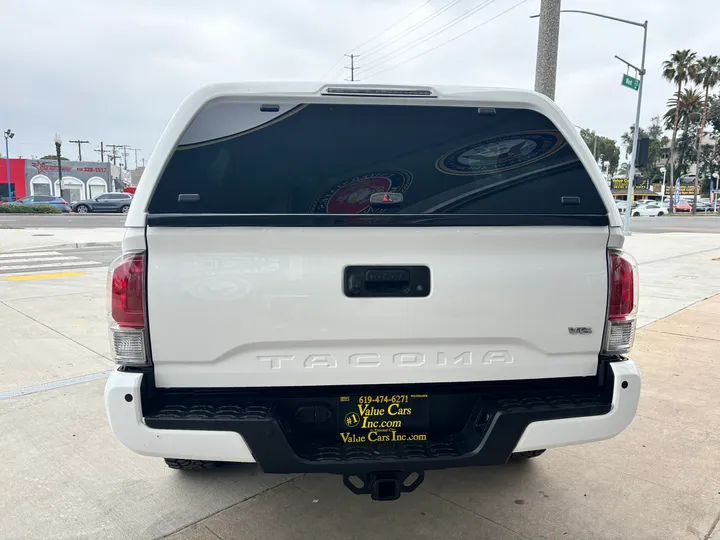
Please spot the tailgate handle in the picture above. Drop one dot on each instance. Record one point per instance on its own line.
(386, 281)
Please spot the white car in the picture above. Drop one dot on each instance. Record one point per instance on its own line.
(370, 281)
(649, 209)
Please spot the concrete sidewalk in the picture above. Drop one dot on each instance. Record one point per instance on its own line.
(22, 239)
(66, 476)
(659, 479)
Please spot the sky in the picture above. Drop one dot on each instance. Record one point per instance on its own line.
(116, 71)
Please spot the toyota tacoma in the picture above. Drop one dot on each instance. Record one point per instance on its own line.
(371, 281)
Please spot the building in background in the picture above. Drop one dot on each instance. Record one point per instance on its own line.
(17, 177)
(81, 179)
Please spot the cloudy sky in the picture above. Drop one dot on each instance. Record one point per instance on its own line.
(115, 71)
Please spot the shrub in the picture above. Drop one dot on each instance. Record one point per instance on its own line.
(11, 208)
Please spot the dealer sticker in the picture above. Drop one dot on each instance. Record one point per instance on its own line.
(500, 154)
(353, 196)
(383, 418)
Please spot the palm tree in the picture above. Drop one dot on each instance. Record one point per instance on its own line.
(687, 109)
(707, 75)
(678, 70)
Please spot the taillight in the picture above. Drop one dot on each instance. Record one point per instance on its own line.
(126, 287)
(624, 294)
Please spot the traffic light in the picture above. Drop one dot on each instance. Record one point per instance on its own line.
(642, 154)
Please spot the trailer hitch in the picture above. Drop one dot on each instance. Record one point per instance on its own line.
(385, 485)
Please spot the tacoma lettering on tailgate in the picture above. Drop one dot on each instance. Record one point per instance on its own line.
(374, 360)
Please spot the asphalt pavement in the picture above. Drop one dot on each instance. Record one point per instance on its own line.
(680, 223)
(58, 262)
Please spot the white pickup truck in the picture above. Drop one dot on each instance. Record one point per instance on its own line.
(372, 281)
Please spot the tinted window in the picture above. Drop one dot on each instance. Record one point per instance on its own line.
(43, 198)
(329, 159)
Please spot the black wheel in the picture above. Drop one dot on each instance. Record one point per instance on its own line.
(82, 209)
(660, 213)
(125, 209)
(527, 455)
(189, 464)
(636, 214)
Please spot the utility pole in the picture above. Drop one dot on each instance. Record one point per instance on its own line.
(136, 150)
(143, 160)
(124, 154)
(101, 151)
(636, 132)
(113, 155)
(80, 143)
(351, 67)
(547, 49)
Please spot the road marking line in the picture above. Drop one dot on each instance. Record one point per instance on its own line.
(28, 277)
(12, 268)
(43, 259)
(53, 385)
(28, 253)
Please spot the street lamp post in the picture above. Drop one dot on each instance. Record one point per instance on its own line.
(641, 71)
(58, 145)
(663, 170)
(8, 135)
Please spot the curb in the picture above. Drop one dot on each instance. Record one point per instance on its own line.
(88, 245)
(67, 246)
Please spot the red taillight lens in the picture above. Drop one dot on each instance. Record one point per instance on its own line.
(127, 293)
(622, 287)
(624, 294)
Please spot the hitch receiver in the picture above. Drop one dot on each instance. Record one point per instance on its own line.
(384, 486)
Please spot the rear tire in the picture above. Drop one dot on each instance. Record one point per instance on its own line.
(125, 209)
(527, 455)
(636, 214)
(189, 464)
(82, 209)
(660, 213)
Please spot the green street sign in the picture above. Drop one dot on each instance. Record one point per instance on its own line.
(631, 82)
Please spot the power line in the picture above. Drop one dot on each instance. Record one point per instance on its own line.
(376, 36)
(342, 69)
(434, 33)
(332, 67)
(394, 24)
(412, 28)
(445, 42)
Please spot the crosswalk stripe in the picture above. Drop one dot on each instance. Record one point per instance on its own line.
(11, 268)
(43, 259)
(28, 254)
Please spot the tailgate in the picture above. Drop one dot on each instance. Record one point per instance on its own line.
(258, 222)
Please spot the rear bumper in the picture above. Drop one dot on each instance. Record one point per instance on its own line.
(255, 432)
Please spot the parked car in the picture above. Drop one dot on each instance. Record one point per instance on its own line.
(57, 202)
(374, 324)
(648, 210)
(704, 207)
(683, 206)
(107, 202)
